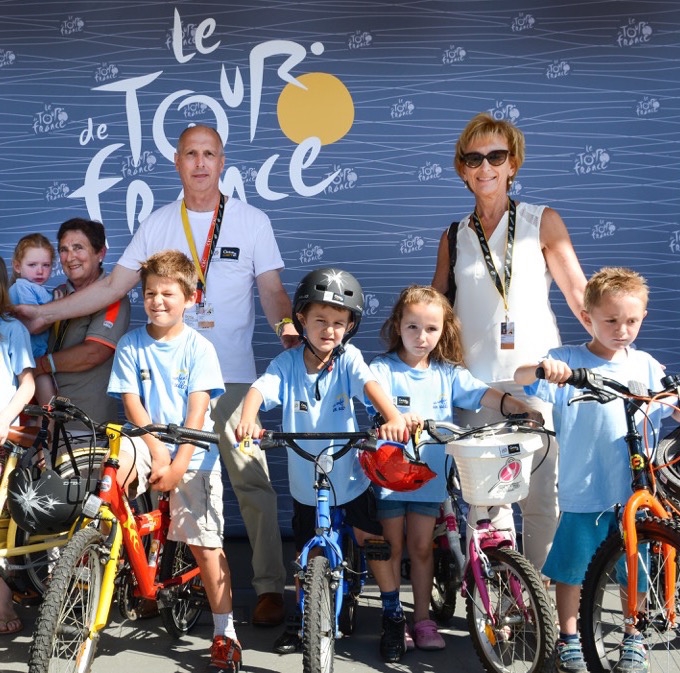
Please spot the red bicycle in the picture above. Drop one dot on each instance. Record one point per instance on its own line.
(107, 558)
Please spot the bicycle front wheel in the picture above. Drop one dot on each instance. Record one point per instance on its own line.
(318, 625)
(181, 606)
(517, 634)
(64, 641)
(604, 600)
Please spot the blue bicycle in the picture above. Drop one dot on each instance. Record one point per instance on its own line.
(331, 568)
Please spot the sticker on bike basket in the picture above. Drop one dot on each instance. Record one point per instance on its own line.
(508, 474)
(510, 450)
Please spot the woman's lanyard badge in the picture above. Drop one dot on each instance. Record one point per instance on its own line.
(202, 315)
(507, 327)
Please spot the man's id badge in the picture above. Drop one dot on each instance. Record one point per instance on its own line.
(507, 335)
(201, 317)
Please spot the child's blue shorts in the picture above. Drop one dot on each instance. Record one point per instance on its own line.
(576, 540)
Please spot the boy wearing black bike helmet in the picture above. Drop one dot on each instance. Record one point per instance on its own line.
(315, 384)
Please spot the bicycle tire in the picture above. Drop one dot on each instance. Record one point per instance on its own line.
(318, 622)
(523, 637)
(347, 620)
(183, 603)
(63, 639)
(38, 566)
(602, 613)
(445, 585)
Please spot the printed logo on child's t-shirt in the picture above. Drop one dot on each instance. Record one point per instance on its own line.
(341, 403)
(402, 401)
(145, 375)
(441, 403)
(299, 405)
(182, 380)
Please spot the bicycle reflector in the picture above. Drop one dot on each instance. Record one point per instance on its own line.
(390, 467)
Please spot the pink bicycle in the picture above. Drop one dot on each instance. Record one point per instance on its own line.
(509, 612)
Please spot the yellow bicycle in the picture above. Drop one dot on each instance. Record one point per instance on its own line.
(34, 521)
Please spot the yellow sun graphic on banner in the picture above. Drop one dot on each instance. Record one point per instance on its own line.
(324, 109)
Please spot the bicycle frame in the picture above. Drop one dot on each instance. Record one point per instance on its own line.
(126, 531)
(642, 499)
(330, 530)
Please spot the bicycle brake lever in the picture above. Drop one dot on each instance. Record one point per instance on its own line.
(600, 396)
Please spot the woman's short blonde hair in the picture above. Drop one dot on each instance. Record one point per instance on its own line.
(484, 125)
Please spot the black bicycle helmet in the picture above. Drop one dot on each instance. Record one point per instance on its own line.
(330, 286)
(48, 503)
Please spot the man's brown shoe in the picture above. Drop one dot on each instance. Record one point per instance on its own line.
(269, 610)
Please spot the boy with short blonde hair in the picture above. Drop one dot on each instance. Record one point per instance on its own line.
(166, 372)
(593, 459)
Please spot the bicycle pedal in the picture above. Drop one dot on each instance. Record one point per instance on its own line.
(377, 550)
(26, 598)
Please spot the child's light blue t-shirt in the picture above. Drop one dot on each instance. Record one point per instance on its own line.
(15, 356)
(286, 383)
(23, 291)
(163, 374)
(593, 469)
(431, 393)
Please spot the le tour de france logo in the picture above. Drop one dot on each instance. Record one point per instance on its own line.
(314, 109)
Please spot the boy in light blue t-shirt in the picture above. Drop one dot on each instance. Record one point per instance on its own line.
(166, 372)
(594, 473)
(315, 384)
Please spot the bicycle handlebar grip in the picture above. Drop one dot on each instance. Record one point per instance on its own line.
(578, 378)
(198, 435)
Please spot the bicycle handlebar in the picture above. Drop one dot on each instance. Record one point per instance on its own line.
(366, 439)
(513, 423)
(171, 433)
(61, 409)
(603, 389)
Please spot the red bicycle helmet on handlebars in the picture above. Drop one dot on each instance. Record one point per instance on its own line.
(390, 467)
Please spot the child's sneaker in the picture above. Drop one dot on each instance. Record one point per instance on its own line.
(569, 657)
(392, 645)
(426, 636)
(225, 654)
(634, 657)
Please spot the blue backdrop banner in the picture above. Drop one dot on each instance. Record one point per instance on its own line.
(340, 120)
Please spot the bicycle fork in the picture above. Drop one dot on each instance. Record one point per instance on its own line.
(485, 537)
(644, 500)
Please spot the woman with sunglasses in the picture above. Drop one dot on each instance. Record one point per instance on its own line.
(503, 259)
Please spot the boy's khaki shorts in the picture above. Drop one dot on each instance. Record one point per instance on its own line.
(195, 505)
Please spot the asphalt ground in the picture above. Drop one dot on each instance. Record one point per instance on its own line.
(144, 645)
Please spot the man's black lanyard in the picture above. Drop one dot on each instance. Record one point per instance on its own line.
(504, 287)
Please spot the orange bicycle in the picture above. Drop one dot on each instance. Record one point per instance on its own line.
(631, 585)
(107, 558)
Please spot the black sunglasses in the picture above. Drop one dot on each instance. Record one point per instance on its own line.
(475, 159)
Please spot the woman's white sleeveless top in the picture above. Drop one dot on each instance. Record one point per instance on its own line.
(480, 306)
